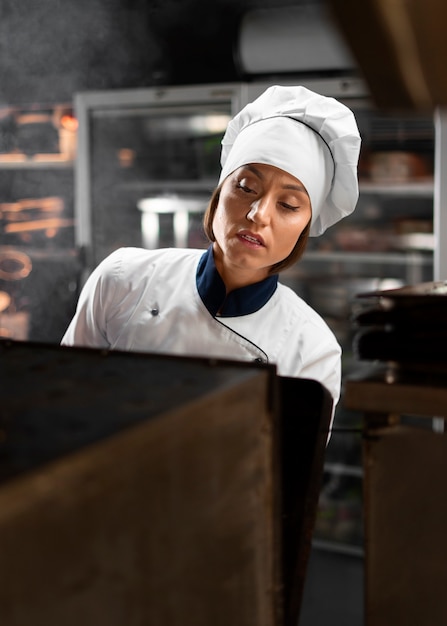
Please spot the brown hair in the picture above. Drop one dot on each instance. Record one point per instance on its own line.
(293, 257)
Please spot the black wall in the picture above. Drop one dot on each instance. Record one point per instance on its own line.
(50, 49)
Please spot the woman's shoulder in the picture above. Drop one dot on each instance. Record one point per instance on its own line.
(144, 254)
(129, 259)
(299, 309)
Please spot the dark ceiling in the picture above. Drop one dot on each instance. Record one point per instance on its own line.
(53, 48)
(198, 37)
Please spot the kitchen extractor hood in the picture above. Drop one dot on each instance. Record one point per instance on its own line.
(401, 48)
(289, 40)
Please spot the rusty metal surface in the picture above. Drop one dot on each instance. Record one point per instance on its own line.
(405, 526)
(54, 400)
(170, 520)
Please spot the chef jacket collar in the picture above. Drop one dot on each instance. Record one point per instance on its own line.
(242, 301)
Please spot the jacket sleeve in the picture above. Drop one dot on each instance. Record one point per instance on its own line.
(324, 364)
(95, 306)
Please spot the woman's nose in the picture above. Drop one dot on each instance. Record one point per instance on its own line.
(260, 211)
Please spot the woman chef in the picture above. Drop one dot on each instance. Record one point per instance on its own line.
(289, 170)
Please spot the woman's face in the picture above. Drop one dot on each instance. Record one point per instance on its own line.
(260, 215)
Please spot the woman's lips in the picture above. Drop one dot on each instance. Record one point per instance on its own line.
(251, 238)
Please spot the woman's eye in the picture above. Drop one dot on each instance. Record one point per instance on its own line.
(289, 207)
(244, 187)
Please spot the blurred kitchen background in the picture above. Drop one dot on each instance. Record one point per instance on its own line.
(111, 115)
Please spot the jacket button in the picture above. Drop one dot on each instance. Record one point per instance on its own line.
(154, 312)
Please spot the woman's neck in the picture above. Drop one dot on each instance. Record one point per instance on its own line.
(235, 277)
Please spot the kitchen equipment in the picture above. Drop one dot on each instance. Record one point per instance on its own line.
(30, 218)
(209, 511)
(181, 208)
(5, 301)
(404, 326)
(398, 166)
(14, 265)
(36, 133)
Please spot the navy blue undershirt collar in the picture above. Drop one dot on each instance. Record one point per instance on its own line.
(242, 301)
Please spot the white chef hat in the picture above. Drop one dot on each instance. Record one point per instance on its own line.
(311, 137)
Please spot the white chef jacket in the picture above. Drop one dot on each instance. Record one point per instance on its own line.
(173, 301)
